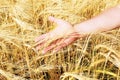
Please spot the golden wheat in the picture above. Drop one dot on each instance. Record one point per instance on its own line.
(21, 21)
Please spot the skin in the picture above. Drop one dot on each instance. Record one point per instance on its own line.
(107, 20)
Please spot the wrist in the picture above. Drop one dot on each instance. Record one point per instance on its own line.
(82, 28)
(90, 26)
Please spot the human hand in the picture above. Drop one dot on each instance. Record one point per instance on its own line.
(58, 38)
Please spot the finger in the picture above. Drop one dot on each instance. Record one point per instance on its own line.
(51, 46)
(41, 37)
(66, 42)
(48, 49)
(38, 47)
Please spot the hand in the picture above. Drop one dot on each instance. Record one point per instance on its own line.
(58, 38)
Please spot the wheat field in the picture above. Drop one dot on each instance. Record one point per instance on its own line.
(95, 57)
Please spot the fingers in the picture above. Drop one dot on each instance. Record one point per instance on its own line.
(66, 42)
(42, 39)
(73, 37)
(51, 46)
(60, 43)
(48, 49)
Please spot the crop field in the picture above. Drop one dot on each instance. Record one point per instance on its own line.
(94, 57)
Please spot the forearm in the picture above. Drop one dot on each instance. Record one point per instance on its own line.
(107, 20)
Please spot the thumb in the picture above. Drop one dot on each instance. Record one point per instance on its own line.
(55, 20)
